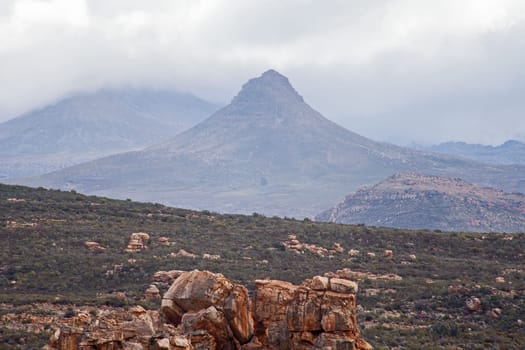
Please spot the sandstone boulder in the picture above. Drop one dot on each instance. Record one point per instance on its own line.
(152, 292)
(195, 291)
(237, 311)
(137, 242)
(204, 310)
(94, 246)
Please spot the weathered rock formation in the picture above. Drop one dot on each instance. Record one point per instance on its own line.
(204, 310)
(137, 242)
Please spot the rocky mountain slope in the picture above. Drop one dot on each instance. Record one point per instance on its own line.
(69, 260)
(428, 202)
(91, 125)
(267, 151)
(510, 152)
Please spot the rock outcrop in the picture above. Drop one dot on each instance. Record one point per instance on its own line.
(137, 242)
(204, 310)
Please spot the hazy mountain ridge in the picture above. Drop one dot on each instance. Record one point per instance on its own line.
(91, 125)
(267, 151)
(429, 202)
(510, 152)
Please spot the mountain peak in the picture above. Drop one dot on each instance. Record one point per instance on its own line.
(270, 87)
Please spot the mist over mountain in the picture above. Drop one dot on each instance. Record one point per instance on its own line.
(91, 125)
(510, 152)
(416, 201)
(267, 151)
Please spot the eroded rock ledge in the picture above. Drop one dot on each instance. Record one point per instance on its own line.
(203, 310)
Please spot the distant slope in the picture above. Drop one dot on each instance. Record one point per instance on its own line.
(267, 151)
(510, 152)
(415, 201)
(92, 125)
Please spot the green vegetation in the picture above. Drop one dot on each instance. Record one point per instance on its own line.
(43, 258)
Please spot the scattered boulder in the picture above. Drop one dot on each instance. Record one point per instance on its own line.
(473, 304)
(495, 312)
(211, 256)
(293, 245)
(412, 257)
(371, 255)
(353, 252)
(500, 279)
(137, 242)
(183, 253)
(94, 246)
(348, 274)
(164, 241)
(388, 253)
(338, 248)
(152, 292)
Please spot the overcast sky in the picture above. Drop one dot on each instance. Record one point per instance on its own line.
(395, 70)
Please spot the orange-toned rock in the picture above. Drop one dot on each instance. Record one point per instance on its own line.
(204, 310)
(197, 290)
(304, 311)
(94, 246)
(500, 279)
(343, 286)
(152, 292)
(354, 252)
(272, 299)
(183, 253)
(137, 242)
(318, 283)
(238, 313)
(212, 322)
(338, 248)
(338, 313)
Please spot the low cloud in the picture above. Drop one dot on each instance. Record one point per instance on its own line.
(398, 71)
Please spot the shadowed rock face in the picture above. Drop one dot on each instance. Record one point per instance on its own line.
(206, 311)
(417, 201)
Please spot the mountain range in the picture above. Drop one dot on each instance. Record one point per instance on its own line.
(87, 126)
(268, 152)
(416, 201)
(510, 152)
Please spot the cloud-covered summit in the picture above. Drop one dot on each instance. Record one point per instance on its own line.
(402, 70)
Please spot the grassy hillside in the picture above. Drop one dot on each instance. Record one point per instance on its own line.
(43, 258)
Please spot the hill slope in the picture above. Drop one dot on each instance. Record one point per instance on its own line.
(267, 151)
(428, 202)
(510, 152)
(414, 299)
(92, 125)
